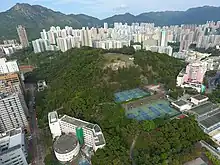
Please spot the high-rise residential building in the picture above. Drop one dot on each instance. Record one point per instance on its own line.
(36, 46)
(62, 44)
(13, 111)
(8, 66)
(51, 37)
(22, 36)
(40, 45)
(44, 34)
(13, 148)
(86, 38)
(163, 41)
(105, 26)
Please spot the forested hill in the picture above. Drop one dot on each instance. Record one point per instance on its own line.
(78, 81)
(36, 17)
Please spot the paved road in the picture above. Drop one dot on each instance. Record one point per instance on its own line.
(132, 148)
(37, 149)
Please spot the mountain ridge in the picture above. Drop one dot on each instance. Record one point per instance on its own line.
(36, 17)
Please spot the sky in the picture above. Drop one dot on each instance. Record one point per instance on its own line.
(105, 8)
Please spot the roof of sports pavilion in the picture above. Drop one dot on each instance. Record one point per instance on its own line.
(204, 108)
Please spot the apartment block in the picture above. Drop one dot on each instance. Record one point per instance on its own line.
(13, 148)
(13, 112)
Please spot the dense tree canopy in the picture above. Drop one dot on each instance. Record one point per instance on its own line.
(159, 67)
(78, 83)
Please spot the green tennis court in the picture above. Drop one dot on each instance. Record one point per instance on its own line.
(129, 95)
(156, 109)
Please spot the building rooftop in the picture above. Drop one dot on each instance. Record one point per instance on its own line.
(180, 102)
(11, 132)
(78, 122)
(199, 97)
(210, 121)
(15, 132)
(53, 117)
(204, 108)
(101, 140)
(65, 143)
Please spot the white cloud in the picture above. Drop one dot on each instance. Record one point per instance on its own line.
(121, 8)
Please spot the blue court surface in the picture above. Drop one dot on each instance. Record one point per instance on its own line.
(130, 95)
(151, 111)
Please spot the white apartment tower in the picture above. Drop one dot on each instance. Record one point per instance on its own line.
(22, 36)
(62, 44)
(13, 148)
(13, 112)
(44, 34)
(163, 41)
(86, 38)
(105, 26)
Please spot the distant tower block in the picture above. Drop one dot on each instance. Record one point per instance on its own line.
(22, 36)
(79, 135)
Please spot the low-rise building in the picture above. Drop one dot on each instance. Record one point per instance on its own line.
(211, 123)
(204, 110)
(92, 133)
(198, 99)
(41, 85)
(182, 105)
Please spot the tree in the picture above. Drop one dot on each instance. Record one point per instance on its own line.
(148, 125)
(78, 83)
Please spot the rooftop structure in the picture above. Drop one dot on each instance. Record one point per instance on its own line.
(211, 123)
(65, 143)
(54, 124)
(181, 105)
(203, 110)
(10, 83)
(8, 66)
(66, 147)
(198, 99)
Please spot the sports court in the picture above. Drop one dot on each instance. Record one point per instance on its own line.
(155, 109)
(128, 95)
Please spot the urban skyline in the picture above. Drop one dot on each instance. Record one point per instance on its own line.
(149, 36)
(102, 9)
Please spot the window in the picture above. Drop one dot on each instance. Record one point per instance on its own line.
(10, 103)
